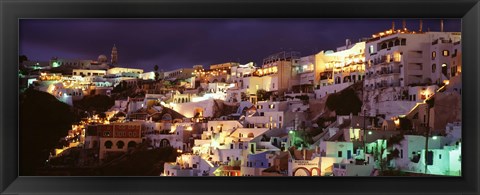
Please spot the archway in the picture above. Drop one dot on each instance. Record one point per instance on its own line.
(164, 143)
(108, 144)
(315, 171)
(167, 117)
(302, 171)
(132, 144)
(120, 144)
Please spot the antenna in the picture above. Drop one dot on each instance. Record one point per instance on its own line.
(421, 26)
(441, 25)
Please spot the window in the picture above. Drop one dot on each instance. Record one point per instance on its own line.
(371, 50)
(403, 42)
(434, 68)
(339, 153)
(108, 144)
(445, 52)
(106, 133)
(279, 118)
(401, 153)
(397, 57)
(434, 55)
(439, 156)
(120, 144)
(397, 42)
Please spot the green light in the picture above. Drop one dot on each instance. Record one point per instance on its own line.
(55, 64)
(434, 137)
(369, 132)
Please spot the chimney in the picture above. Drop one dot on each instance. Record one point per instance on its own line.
(441, 25)
(347, 42)
(421, 26)
(393, 25)
(403, 24)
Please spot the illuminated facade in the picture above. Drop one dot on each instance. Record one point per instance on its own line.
(340, 69)
(279, 67)
(399, 59)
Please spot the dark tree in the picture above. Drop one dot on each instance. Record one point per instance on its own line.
(102, 115)
(22, 58)
(97, 103)
(157, 75)
(262, 95)
(243, 96)
(344, 102)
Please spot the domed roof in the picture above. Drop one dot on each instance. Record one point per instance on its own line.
(102, 58)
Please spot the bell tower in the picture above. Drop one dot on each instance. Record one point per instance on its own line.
(114, 56)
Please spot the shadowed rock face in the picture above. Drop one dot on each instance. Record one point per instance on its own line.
(222, 109)
(43, 120)
(447, 109)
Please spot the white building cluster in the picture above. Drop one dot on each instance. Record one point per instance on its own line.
(242, 120)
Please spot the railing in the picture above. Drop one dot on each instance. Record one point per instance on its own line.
(441, 41)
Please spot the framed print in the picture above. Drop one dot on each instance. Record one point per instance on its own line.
(236, 96)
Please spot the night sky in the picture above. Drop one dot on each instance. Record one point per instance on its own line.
(173, 43)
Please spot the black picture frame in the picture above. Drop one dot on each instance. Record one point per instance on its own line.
(11, 11)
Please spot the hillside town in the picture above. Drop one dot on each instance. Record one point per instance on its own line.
(386, 105)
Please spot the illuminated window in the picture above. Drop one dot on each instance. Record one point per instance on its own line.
(445, 52)
(397, 57)
(371, 50)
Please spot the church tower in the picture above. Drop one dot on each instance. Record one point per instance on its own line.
(114, 59)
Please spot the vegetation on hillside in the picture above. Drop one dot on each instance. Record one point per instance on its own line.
(43, 121)
(344, 102)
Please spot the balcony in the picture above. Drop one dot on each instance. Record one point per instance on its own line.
(441, 41)
(382, 85)
(389, 72)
